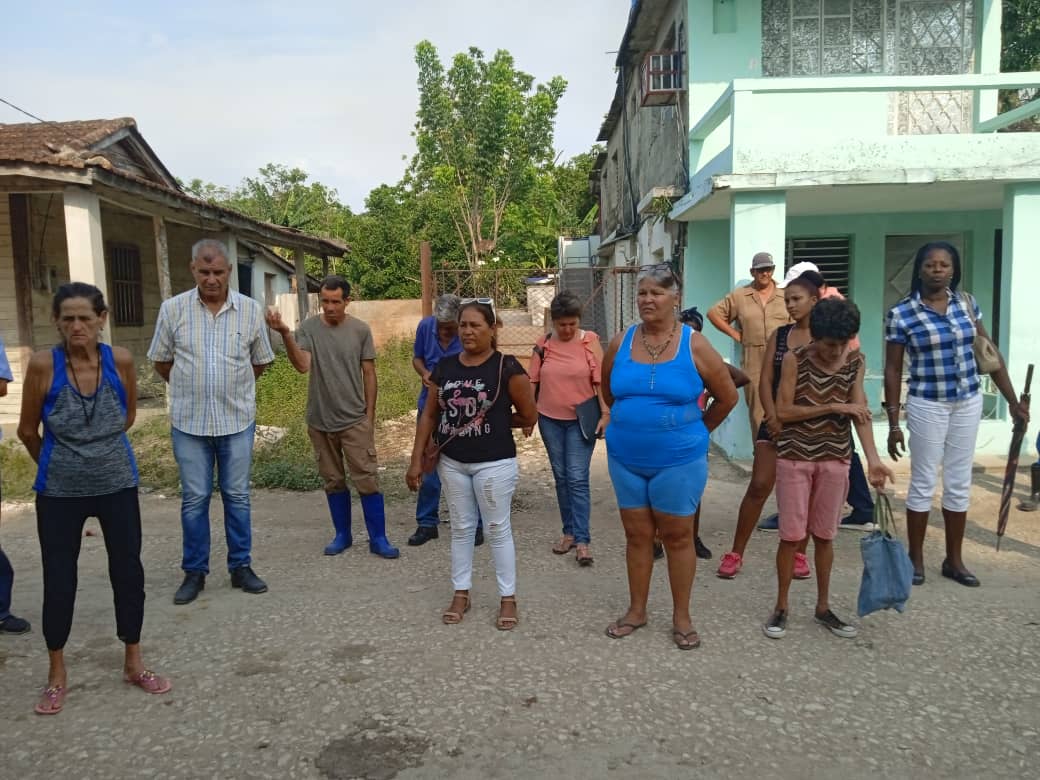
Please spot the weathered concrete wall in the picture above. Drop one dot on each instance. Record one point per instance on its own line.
(9, 312)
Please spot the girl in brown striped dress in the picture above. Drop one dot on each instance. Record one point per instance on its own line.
(820, 397)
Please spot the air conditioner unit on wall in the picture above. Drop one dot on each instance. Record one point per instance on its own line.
(662, 80)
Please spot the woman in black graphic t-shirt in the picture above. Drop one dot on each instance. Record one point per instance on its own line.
(472, 423)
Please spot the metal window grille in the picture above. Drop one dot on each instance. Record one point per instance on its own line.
(124, 269)
(830, 254)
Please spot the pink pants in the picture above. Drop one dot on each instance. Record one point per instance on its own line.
(810, 497)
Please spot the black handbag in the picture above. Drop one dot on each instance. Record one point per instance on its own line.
(589, 414)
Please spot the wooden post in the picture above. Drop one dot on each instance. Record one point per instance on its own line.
(301, 285)
(23, 289)
(325, 267)
(426, 275)
(162, 257)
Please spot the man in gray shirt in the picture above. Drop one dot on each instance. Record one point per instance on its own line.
(337, 350)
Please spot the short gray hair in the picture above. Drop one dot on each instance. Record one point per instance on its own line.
(446, 308)
(210, 243)
(660, 274)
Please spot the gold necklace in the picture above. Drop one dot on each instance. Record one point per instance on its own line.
(655, 351)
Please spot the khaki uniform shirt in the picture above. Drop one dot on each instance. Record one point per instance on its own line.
(755, 321)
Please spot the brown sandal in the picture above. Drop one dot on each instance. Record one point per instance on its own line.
(505, 623)
(451, 617)
(564, 546)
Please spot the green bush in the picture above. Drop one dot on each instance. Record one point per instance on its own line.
(17, 470)
(398, 383)
(154, 452)
(288, 463)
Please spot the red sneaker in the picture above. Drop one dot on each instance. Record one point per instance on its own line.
(729, 565)
(801, 567)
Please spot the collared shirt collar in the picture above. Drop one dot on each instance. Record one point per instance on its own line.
(229, 302)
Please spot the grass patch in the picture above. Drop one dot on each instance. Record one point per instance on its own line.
(281, 401)
(17, 470)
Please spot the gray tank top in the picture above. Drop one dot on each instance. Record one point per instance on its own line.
(85, 451)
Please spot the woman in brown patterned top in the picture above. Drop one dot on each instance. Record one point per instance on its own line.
(820, 396)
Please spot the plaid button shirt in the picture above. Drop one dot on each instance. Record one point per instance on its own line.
(939, 346)
(212, 387)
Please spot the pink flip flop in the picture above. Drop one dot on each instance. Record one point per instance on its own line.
(51, 701)
(149, 682)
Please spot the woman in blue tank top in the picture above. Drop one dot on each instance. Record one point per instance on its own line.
(84, 393)
(657, 443)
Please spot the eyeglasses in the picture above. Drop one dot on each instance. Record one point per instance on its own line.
(656, 267)
(768, 270)
(489, 302)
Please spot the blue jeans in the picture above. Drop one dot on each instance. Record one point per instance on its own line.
(196, 455)
(859, 498)
(6, 583)
(569, 456)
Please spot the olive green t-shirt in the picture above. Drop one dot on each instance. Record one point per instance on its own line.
(336, 391)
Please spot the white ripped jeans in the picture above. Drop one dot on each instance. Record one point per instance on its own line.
(487, 487)
(942, 433)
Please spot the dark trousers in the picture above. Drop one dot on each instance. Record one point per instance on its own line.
(859, 499)
(59, 522)
(6, 583)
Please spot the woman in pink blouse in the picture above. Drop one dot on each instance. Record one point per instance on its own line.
(566, 371)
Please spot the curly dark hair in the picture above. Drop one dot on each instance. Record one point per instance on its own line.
(832, 318)
(922, 255)
(693, 318)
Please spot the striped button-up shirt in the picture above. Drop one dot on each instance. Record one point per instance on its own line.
(939, 346)
(212, 387)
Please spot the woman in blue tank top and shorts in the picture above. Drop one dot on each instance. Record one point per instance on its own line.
(657, 443)
(84, 393)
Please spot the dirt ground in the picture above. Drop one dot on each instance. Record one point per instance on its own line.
(343, 668)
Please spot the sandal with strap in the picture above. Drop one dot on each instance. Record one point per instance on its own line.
(504, 622)
(563, 546)
(149, 682)
(51, 700)
(452, 617)
(686, 641)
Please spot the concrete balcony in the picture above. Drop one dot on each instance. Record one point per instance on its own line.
(803, 134)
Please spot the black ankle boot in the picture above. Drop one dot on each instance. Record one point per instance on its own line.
(422, 535)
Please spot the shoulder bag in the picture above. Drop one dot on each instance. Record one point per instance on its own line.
(987, 356)
(887, 570)
(431, 453)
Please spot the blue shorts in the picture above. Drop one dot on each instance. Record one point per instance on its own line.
(674, 490)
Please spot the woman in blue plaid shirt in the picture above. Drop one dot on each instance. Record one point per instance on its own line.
(935, 326)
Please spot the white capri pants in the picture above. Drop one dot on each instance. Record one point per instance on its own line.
(942, 433)
(488, 486)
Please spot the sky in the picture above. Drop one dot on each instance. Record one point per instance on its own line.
(220, 88)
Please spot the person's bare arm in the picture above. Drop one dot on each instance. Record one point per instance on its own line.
(299, 357)
(34, 392)
(717, 380)
(787, 411)
(163, 369)
(608, 366)
(423, 430)
(368, 376)
(894, 353)
(719, 315)
(604, 408)
(740, 379)
(420, 368)
(521, 394)
(128, 374)
(259, 369)
(765, 387)
(1002, 380)
(877, 472)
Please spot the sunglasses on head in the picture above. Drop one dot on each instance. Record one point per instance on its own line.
(489, 302)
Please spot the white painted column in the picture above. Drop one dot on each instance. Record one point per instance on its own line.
(85, 244)
(162, 257)
(232, 245)
(987, 57)
(1020, 339)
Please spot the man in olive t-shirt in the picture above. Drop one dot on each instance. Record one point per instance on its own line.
(337, 350)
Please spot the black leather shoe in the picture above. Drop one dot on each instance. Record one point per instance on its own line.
(478, 537)
(963, 577)
(245, 578)
(422, 535)
(14, 625)
(658, 551)
(194, 583)
(702, 550)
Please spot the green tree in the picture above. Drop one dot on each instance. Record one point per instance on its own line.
(484, 130)
(1020, 30)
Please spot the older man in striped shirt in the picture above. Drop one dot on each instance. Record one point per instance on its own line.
(210, 345)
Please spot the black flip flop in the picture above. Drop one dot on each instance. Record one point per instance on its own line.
(965, 578)
(686, 643)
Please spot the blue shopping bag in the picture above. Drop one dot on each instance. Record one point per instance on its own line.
(887, 571)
